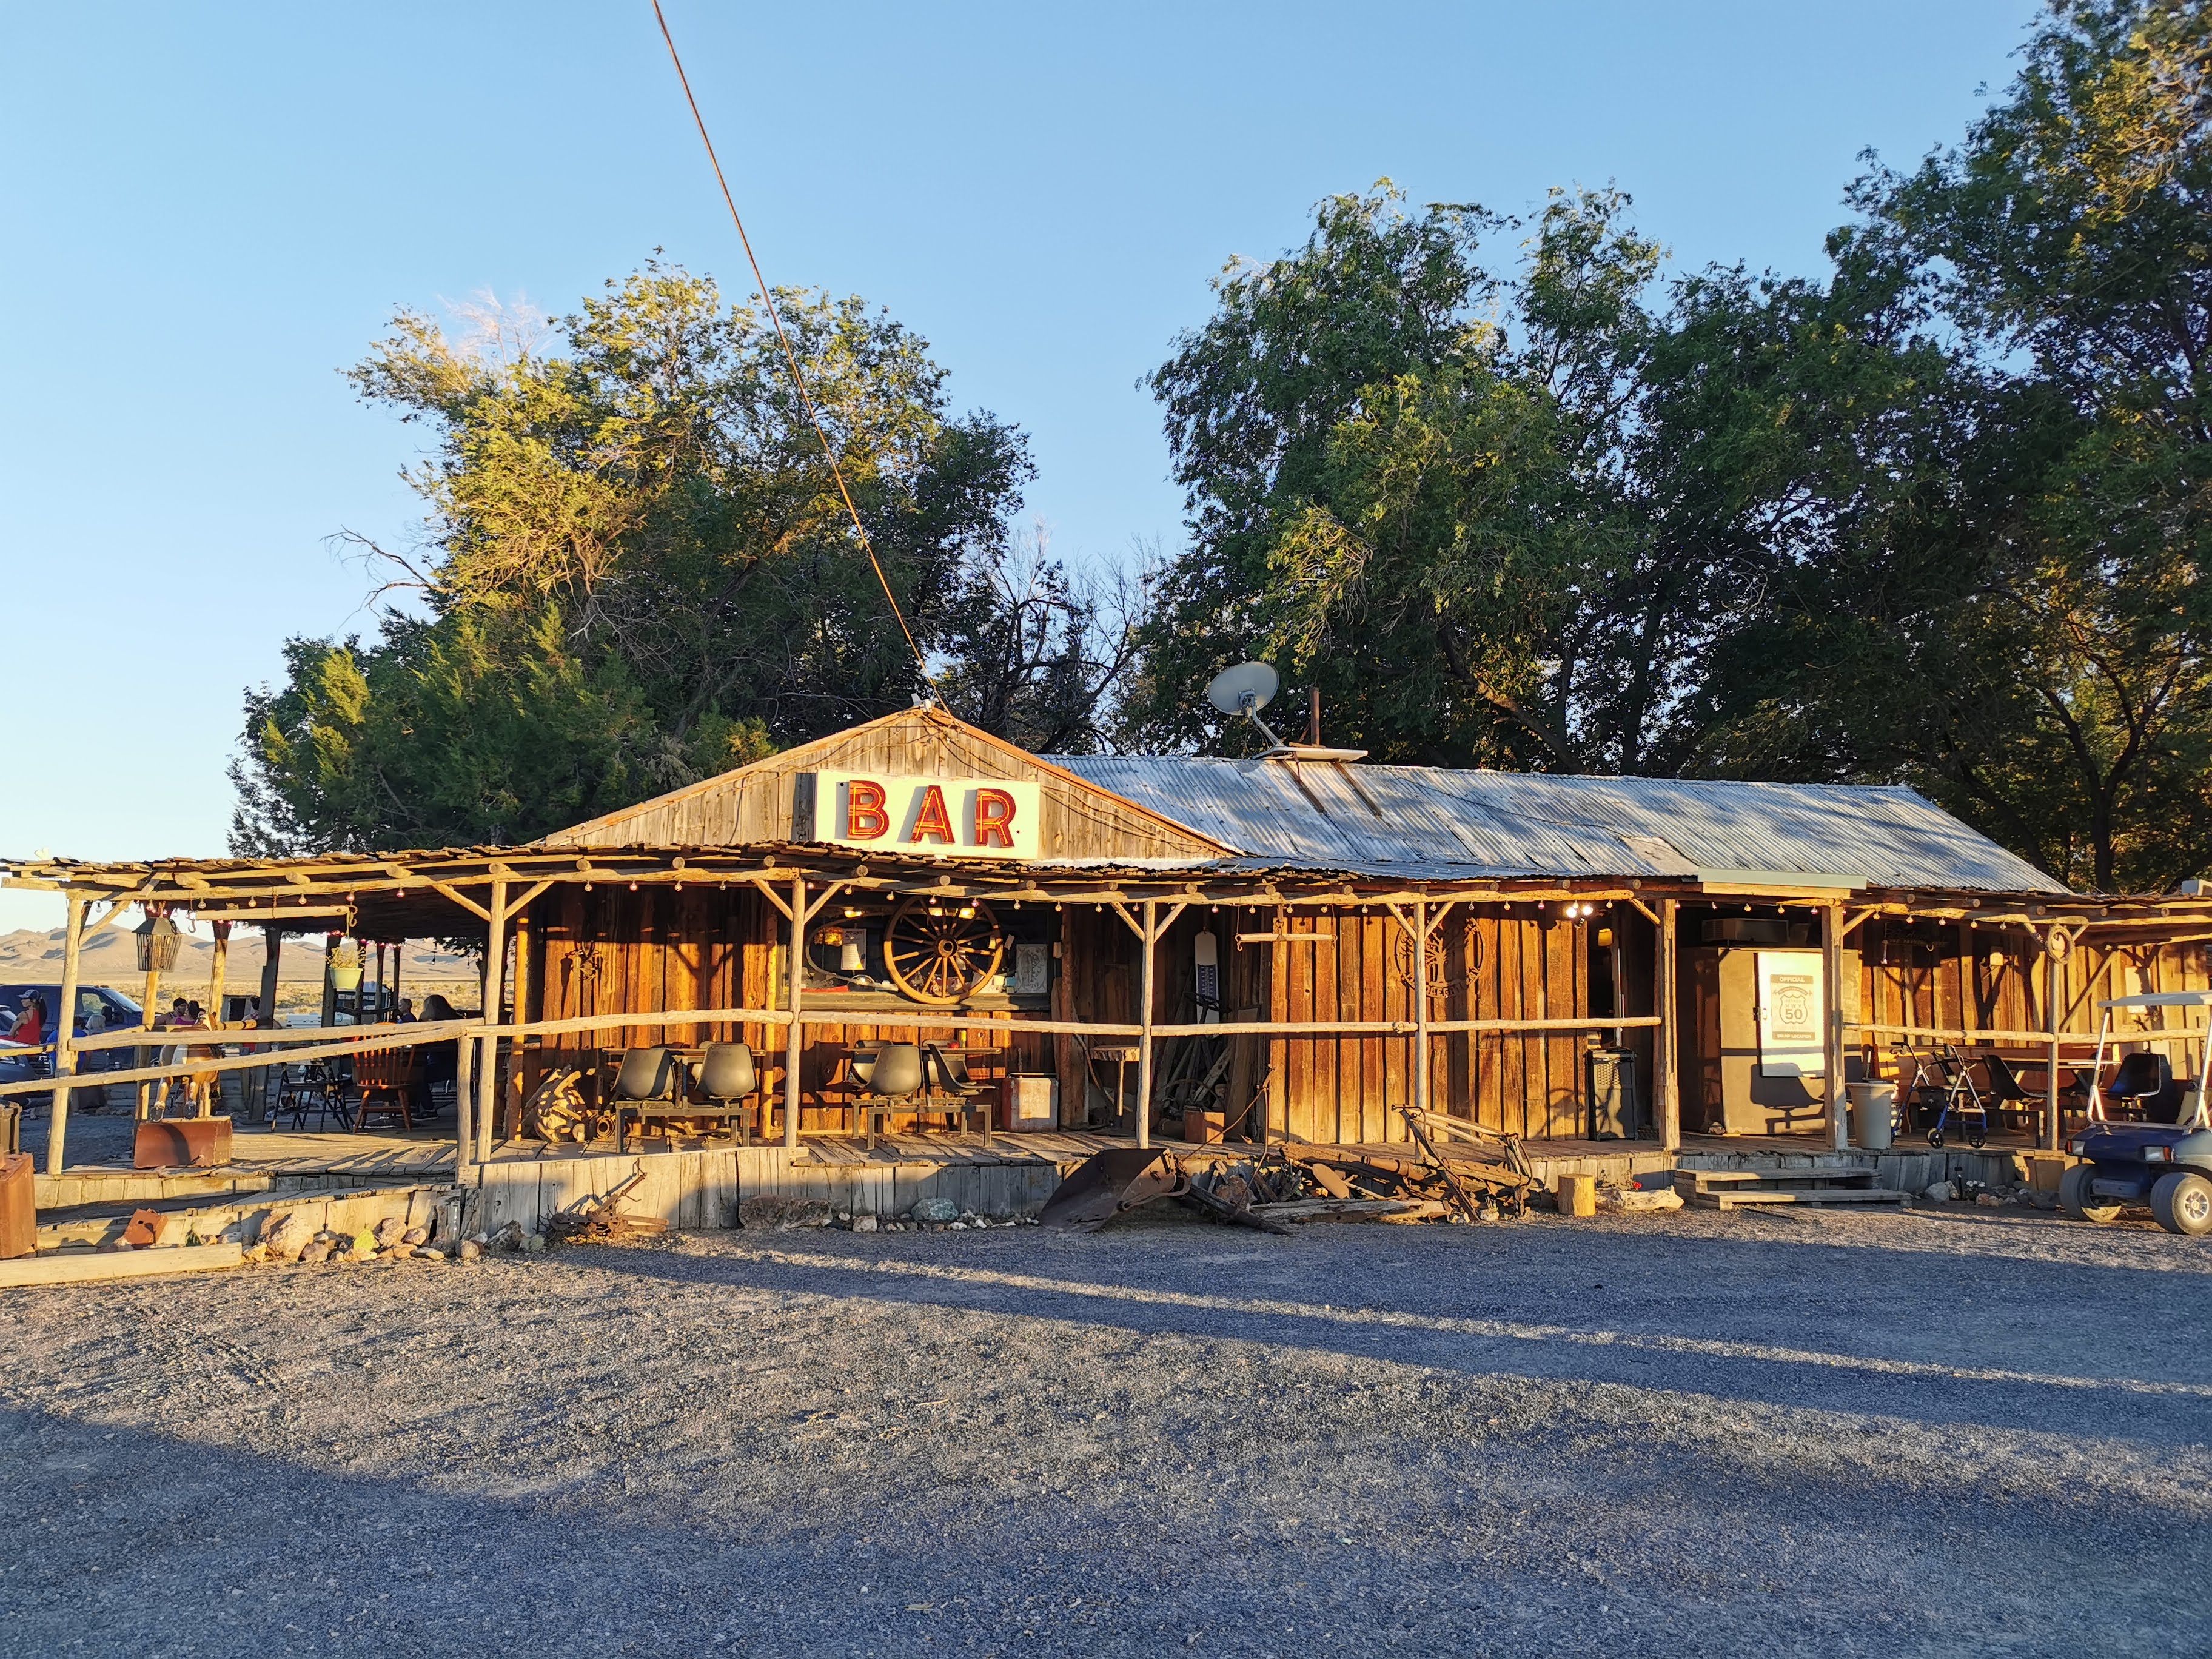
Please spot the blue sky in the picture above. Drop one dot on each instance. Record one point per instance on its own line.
(209, 210)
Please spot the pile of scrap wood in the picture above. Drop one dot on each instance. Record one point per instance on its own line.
(1449, 1168)
(600, 1220)
(1457, 1172)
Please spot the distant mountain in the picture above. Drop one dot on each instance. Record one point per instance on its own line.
(111, 958)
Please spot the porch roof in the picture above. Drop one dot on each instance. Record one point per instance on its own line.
(1437, 823)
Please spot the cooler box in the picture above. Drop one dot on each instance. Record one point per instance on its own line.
(1029, 1103)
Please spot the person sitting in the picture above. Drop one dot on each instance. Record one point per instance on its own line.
(441, 1061)
(405, 1015)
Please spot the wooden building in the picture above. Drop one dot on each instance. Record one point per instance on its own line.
(1301, 945)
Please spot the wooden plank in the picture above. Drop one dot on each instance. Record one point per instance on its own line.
(1817, 1195)
(88, 1267)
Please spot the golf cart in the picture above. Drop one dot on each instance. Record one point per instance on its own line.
(2166, 1159)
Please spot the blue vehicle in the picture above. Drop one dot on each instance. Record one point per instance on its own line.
(98, 1007)
(2165, 1159)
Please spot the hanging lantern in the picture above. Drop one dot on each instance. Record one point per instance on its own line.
(157, 943)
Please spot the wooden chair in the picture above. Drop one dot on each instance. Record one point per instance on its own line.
(387, 1079)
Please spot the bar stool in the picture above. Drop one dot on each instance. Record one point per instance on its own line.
(891, 1078)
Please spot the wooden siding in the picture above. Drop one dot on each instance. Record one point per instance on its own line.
(1499, 963)
(1956, 977)
(758, 803)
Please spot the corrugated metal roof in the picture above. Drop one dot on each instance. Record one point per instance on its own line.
(1417, 822)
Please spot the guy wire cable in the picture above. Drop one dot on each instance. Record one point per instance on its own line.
(790, 357)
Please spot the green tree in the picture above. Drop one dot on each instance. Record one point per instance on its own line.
(639, 570)
(2035, 652)
(1516, 520)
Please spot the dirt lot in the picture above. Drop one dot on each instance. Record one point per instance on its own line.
(1977, 1432)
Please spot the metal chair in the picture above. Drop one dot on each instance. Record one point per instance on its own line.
(2144, 1082)
(302, 1090)
(2006, 1088)
(649, 1079)
(726, 1082)
(889, 1078)
(953, 1091)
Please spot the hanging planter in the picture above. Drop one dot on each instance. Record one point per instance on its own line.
(157, 945)
(345, 967)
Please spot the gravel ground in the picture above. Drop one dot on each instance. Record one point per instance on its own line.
(1968, 1432)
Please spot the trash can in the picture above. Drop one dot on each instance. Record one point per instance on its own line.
(1874, 1111)
(1615, 1111)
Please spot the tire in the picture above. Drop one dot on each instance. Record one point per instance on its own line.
(2182, 1201)
(2076, 1199)
(1977, 1139)
(1935, 1138)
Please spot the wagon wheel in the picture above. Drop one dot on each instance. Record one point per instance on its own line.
(945, 957)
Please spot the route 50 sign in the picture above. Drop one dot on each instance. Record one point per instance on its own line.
(944, 817)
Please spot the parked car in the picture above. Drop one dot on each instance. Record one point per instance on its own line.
(2166, 1160)
(113, 1010)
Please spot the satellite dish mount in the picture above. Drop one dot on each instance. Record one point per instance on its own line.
(1249, 687)
(1246, 689)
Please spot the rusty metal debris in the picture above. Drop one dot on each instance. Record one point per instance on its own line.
(1476, 1176)
(600, 1220)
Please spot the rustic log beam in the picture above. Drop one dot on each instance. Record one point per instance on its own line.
(266, 1056)
(1666, 1043)
(493, 997)
(1149, 934)
(406, 877)
(65, 1032)
(1832, 1024)
(794, 1033)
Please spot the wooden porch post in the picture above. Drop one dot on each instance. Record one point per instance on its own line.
(510, 1111)
(1666, 1050)
(1420, 1009)
(217, 970)
(464, 1082)
(495, 988)
(1277, 1126)
(272, 941)
(149, 1093)
(65, 1032)
(1831, 1041)
(1149, 934)
(2050, 1020)
(796, 977)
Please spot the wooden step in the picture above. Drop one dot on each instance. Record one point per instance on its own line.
(1740, 1198)
(1692, 1182)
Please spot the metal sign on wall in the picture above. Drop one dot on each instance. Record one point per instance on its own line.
(1792, 1011)
(944, 817)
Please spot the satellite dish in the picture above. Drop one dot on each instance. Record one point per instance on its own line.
(1244, 689)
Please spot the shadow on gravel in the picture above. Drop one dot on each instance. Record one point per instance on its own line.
(124, 1541)
(2032, 1346)
(118, 1540)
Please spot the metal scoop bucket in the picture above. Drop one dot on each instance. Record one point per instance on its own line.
(1109, 1183)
